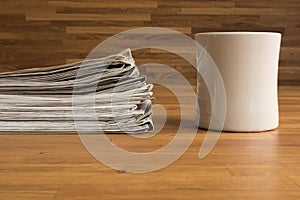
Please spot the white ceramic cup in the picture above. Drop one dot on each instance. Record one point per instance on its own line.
(248, 64)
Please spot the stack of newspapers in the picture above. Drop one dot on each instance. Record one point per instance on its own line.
(105, 95)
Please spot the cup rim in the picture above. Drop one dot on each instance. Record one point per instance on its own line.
(238, 33)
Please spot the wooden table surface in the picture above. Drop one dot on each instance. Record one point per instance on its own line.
(262, 165)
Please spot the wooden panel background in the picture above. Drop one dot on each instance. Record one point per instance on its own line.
(36, 33)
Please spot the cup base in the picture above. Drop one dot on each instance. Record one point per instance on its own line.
(241, 131)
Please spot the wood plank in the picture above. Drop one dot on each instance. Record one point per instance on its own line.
(114, 29)
(67, 20)
(239, 11)
(104, 4)
(28, 194)
(262, 165)
(86, 17)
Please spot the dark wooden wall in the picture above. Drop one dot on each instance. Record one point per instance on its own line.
(37, 33)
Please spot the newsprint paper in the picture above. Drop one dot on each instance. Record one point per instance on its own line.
(41, 100)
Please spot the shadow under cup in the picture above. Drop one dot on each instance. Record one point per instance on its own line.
(248, 64)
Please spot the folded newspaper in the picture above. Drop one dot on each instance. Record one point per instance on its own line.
(62, 99)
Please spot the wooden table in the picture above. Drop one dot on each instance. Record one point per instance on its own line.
(262, 165)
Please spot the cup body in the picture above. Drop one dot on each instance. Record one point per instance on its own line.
(248, 64)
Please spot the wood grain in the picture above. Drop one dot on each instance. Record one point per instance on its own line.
(263, 165)
(37, 33)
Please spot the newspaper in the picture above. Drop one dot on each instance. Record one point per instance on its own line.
(41, 100)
